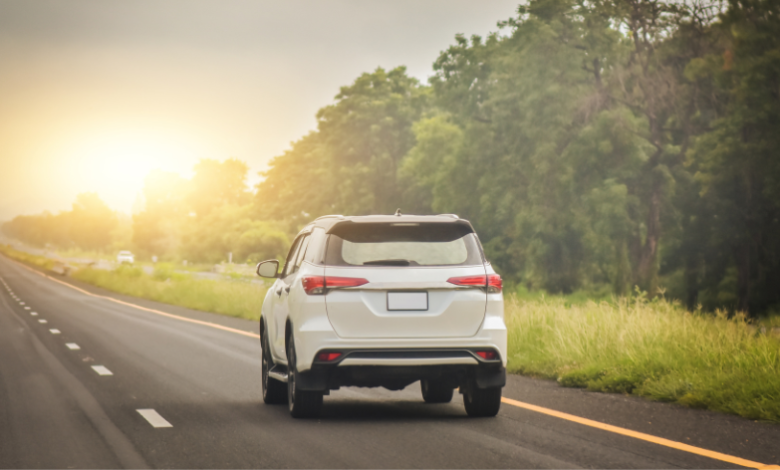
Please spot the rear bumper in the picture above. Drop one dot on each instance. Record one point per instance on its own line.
(396, 368)
(317, 335)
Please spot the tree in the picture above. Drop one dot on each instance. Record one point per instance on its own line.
(216, 183)
(351, 163)
(156, 230)
(736, 161)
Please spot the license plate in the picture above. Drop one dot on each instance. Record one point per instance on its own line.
(407, 301)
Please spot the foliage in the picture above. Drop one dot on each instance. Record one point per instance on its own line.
(40, 261)
(205, 218)
(351, 163)
(89, 225)
(651, 349)
(234, 298)
(623, 143)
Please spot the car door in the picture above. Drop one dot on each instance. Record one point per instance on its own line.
(282, 292)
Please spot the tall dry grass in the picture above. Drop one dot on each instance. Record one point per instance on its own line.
(653, 349)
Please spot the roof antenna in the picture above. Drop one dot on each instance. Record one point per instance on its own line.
(398, 212)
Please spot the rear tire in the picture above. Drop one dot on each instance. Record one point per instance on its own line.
(274, 392)
(435, 392)
(482, 402)
(302, 403)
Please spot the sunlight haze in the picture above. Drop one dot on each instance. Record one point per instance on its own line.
(97, 94)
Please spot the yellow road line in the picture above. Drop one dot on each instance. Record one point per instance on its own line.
(640, 435)
(151, 310)
(539, 409)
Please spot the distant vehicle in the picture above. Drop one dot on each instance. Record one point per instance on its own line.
(125, 257)
(384, 301)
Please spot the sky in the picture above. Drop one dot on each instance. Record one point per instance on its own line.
(95, 94)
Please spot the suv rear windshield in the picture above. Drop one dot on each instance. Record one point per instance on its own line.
(402, 244)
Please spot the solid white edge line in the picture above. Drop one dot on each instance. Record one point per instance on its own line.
(154, 418)
(73, 346)
(102, 370)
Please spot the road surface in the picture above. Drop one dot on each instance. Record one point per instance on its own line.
(88, 382)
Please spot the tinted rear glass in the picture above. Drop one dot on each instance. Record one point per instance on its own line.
(402, 245)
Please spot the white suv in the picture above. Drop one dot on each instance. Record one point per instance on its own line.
(384, 301)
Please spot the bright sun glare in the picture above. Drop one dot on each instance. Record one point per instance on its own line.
(116, 164)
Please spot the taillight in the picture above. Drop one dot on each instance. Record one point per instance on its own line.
(487, 355)
(328, 356)
(492, 282)
(344, 281)
(476, 281)
(316, 285)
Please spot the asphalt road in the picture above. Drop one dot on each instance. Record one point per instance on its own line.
(202, 385)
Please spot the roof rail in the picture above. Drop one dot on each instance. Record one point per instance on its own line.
(330, 217)
(452, 216)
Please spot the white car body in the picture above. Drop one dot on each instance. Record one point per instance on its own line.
(125, 257)
(405, 323)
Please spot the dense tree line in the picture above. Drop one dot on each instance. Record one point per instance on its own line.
(201, 219)
(90, 225)
(592, 143)
(204, 218)
(621, 142)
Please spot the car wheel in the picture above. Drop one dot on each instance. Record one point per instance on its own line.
(274, 392)
(302, 403)
(482, 402)
(435, 392)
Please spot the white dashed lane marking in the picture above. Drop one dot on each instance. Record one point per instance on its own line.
(27, 308)
(42, 321)
(73, 346)
(102, 370)
(154, 418)
(35, 314)
(55, 331)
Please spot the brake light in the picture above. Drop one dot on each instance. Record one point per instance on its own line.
(476, 281)
(487, 355)
(494, 284)
(328, 356)
(345, 281)
(316, 285)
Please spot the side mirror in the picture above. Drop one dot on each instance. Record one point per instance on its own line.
(268, 268)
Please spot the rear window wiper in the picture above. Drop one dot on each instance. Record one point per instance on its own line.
(390, 262)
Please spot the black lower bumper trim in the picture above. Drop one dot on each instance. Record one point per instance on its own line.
(331, 377)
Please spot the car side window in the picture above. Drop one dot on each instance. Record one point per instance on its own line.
(301, 253)
(315, 246)
(291, 257)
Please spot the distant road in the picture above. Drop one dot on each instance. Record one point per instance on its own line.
(111, 265)
(105, 384)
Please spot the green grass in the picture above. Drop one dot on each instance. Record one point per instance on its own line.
(579, 297)
(651, 349)
(35, 260)
(235, 298)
